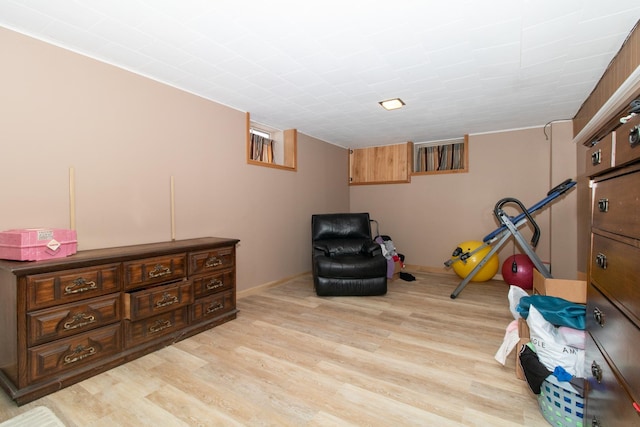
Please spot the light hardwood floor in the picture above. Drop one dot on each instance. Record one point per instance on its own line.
(413, 357)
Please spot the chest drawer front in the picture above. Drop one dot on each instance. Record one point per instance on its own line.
(154, 270)
(617, 205)
(213, 306)
(69, 353)
(156, 300)
(212, 260)
(608, 403)
(615, 333)
(599, 157)
(213, 283)
(615, 268)
(628, 142)
(69, 319)
(148, 329)
(48, 289)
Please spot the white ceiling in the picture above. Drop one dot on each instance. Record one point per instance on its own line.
(321, 67)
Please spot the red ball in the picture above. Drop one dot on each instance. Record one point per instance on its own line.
(519, 274)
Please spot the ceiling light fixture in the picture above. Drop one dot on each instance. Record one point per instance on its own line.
(392, 104)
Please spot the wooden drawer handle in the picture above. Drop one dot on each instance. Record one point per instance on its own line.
(80, 285)
(212, 308)
(601, 261)
(596, 371)
(214, 284)
(167, 299)
(599, 316)
(603, 205)
(158, 271)
(212, 262)
(159, 326)
(79, 353)
(596, 157)
(78, 321)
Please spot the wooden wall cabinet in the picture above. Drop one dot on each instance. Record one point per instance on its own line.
(67, 319)
(387, 164)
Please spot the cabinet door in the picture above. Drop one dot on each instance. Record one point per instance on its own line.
(381, 165)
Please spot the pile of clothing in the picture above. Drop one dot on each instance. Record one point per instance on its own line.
(556, 339)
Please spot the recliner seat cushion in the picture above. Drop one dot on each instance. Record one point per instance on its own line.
(350, 266)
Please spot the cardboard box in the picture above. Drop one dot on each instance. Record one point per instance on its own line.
(571, 290)
(36, 244)
(397, 268)
(521, 343)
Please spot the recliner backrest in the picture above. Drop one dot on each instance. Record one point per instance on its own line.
(340, 226)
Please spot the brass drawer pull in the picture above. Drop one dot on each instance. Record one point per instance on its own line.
(79, 353)
(158, 271)
(601, 261)
(212, 261)
(603, 205)
(599, 316)
(214, 284)
(595, 422)
(596, 371)
(212, 308)
(80, 285)
(634, 136)
(596, 157)
(167, 299)
(78, 321)
(159, 326)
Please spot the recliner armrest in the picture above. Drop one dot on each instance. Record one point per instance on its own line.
(371, 248)
(322, 248)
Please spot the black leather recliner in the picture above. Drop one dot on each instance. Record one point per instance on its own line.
(346, 261)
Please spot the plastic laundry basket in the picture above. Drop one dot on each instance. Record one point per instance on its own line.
(560, 404)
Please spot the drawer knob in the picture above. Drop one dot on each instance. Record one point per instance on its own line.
(212, 262)
(596, 157)
(603, 205)
(78, 321)
(596, 371)
(80, 285)
(634, 136)
(214, 284)
(167, 299)
(601, 261)
(158, 271)
(599, 316)
(79, 353)
(214, 307)
(159, 326)
(595, 422)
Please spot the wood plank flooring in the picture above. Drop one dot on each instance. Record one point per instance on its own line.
(413, 357)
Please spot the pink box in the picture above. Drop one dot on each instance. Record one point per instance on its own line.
(35, 244)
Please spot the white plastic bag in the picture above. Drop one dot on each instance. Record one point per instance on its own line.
(515, 293)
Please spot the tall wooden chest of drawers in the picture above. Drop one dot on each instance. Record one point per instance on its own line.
(67, 319)
(613, 295)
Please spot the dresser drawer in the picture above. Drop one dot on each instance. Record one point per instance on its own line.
(48, 289)
(615, 333)
(150, 271)
(608, 403)
(211, 260)
(213, 283)
(616, 205)
(148, 329)
(600, 156)
(628, 142)
(156, 300)
(213, 306)
(69, 319)
(69, 353)
(615, 269)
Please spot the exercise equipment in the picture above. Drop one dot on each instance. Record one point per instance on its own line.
(509, 228)
(517, 270)
(463, 269)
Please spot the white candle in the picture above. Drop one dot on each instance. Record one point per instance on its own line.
(173, 211)
(72, 199)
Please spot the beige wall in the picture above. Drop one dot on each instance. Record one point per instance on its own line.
(125, 136)
(430, 216)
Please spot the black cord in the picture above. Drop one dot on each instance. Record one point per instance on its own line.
(544, 129)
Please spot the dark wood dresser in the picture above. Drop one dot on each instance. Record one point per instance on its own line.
(613, 294)
(67, 319)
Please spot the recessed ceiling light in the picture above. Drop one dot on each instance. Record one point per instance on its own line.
(392, 104)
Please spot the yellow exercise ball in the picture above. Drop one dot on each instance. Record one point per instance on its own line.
(463, 266)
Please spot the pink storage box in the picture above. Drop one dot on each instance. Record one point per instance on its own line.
(35, 244)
